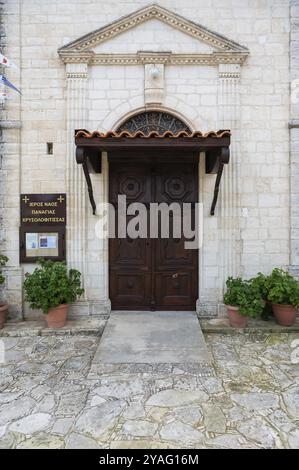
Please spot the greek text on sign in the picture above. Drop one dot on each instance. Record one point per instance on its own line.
(43, 209)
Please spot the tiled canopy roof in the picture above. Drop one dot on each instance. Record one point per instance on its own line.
(151, 135)
(91, 144)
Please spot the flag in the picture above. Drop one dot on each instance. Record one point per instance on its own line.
(5, 61)
(7, 83)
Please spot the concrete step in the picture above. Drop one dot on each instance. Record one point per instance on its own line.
(151, 341)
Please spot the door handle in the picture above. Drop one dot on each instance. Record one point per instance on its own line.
(175, 276)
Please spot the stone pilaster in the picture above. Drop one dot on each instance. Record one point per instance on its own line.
(227, 218)
(76, 75)
(229, 203)
(102, 307)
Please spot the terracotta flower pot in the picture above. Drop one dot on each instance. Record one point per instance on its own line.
(56, 317)
(3, 312)
(285, 315)
(236, 320)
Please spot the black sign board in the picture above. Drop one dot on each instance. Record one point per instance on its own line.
(43, 209)
(42, 231)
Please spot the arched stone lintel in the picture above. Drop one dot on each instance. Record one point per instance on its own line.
(113, 120)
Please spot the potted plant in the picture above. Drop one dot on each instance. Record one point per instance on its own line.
(242, 300)
(283, 292)
(3, 306)
(51, 287)
(261, 283)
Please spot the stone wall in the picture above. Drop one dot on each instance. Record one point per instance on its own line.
(10, 178)
(294, 137)
(2, 43)
(250, 231)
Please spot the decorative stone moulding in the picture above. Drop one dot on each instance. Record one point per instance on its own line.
(226, 51)
(153, 83)
(76, 75)
(229, 71)
(141, 58)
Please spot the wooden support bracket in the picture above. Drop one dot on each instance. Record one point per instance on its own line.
(90, 159)
(215, 161)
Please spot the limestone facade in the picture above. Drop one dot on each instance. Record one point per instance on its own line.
(224, 65)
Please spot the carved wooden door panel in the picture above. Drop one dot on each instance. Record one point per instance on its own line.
(145, 273)
(129, 259)
(175, 266)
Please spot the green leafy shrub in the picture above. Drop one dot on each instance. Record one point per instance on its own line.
(282, 288)
(261, 283)
(245, 295)
(51, 285)
(3, 261)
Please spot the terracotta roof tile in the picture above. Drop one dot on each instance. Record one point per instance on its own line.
(139, 134)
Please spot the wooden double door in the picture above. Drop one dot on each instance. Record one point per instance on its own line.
(153, 273)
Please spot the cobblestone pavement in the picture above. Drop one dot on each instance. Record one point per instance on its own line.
(48, 399)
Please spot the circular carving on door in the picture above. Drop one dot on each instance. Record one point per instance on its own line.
(175, 188)
(131, 187)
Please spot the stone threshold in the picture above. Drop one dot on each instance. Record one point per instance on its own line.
(221, 326)
(84, 327)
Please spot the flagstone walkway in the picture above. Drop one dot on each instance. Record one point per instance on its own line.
(50, 399)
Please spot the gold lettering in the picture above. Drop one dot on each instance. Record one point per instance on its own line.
(43, 220)
(34, 204)
(51, 204)
(43, 212)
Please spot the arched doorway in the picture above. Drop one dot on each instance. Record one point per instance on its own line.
(152, 273)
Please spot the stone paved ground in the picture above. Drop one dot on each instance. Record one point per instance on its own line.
(48, 398)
